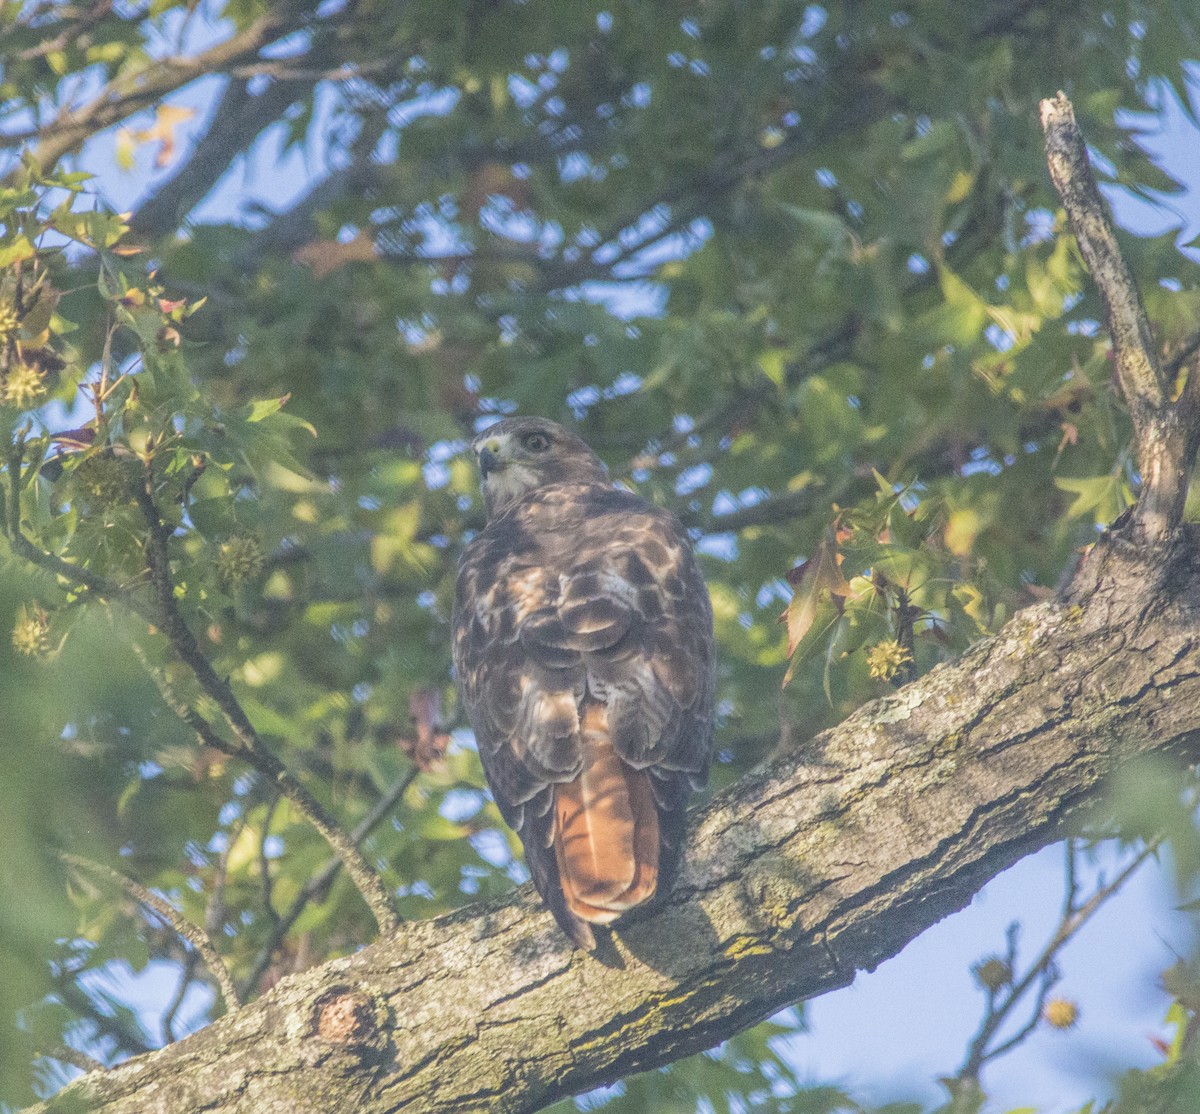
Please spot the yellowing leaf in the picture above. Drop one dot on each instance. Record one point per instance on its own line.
(1180, 382)
(266, 406)
(774, 365)
(498, 90)
(972, 601)
(126, 145)
(16, 251)
(962, 528)
(167, 118)
(960, 187)
(244, 852)
(817, 579)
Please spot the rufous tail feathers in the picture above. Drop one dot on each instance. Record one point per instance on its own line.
(606, 834)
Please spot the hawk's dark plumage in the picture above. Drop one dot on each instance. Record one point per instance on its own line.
(584, 650)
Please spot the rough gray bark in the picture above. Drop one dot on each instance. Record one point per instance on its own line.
(825, 861)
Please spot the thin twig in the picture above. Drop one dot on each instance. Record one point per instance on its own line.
(106, 1026)
(1049, 977)
(75, 1058)
(184, 928)
(319, 882)
(1071, 887)
(186, 974)
(1042, 972)
(264, 864)
(214, 911)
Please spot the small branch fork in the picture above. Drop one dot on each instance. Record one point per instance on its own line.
(1165, 408)
(1002, 1001)
(318, 885)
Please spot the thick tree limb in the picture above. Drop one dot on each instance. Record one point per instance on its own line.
(826, 860)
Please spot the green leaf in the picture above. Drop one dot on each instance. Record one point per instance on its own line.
(265, 407)
(1104, 497)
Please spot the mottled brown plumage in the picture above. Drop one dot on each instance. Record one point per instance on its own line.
(583, 648)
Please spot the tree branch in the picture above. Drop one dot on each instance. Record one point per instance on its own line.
(164, 612)
(1041, 971)
(72, 31)
(250, 746)
(824, 861)
(237, 118)
(193, 934)
(130, 92)
(75, 575)
(1166, 431)
(319, 883)
(68, 1055)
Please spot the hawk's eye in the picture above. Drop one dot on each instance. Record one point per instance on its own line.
(536, 442)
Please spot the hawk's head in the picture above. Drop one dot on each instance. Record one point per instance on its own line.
(519, 455)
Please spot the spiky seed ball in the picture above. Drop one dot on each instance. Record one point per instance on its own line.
(9, 320)
(104, 479)
(24, 386)
(1061, 1013)
(31, 632)
(241, 558)
(992, 973)
(885, 658)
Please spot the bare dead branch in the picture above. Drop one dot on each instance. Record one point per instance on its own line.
(1165, 430)
(1141, 376)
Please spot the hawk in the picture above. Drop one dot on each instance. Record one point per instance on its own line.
(583, 646)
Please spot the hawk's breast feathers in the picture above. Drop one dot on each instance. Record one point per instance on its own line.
(583, 648)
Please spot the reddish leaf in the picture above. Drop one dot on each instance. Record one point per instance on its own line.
(429, 747)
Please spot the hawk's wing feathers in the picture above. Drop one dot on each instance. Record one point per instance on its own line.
(583, 647)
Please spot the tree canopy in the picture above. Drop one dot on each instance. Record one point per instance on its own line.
(798, 272)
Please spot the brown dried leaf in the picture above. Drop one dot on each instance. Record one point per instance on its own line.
(429, 747)
(323, 257)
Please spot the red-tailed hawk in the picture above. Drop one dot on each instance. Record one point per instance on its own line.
(584, 650)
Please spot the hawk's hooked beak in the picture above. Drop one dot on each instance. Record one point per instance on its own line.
(489, 459)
